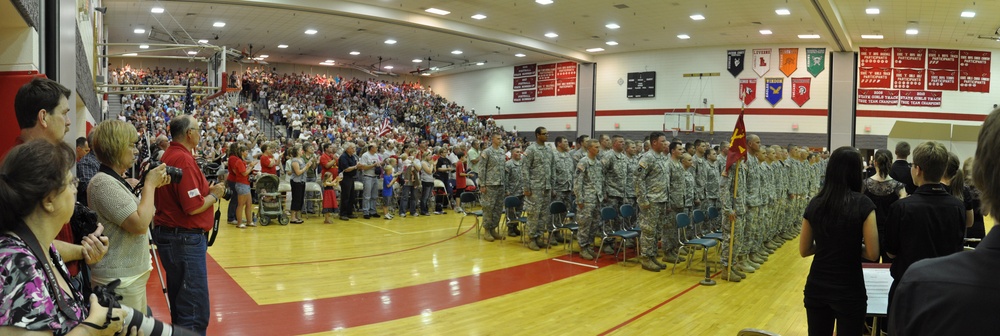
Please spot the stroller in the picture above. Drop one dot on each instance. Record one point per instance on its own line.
(271, 200)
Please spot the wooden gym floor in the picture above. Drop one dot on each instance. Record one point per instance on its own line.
(415, 276)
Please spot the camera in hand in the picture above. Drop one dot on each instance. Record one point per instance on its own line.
(83, 222)
(144, 324)
(175, 174)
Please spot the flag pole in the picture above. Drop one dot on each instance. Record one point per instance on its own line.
(736, 184)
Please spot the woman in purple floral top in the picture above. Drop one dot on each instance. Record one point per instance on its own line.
(38, 191)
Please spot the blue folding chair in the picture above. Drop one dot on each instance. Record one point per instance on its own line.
(512, 206)
(467, 198)
(713, 213)
(557, 210)
(683, 222)
(608, 217)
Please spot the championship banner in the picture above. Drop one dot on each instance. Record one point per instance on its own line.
(547, 71)
(815, 60)
(800, 90)
(773, 93)
(735, 60)
(942, 59)
(761, 61)
(875, 57)
(524, 70)
(524, 96)
(912, 58)
(524, 83)
(908, 79)
(875, 78)
(920, 98)
(748, 90)
(974, 73)
(789, 60)
(878, 97)
(547, 88)
(942, 80)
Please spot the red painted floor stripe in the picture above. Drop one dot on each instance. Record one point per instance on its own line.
(234, 312)
(650, 310)
(358, 257)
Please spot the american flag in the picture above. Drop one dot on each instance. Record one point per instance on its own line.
(386, 126)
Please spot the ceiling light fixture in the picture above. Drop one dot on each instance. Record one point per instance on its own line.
(264, 56)
(872, 11)
(311, 32)
(872, 37)
(683, 36)
(595, 49)
(130, 54)
(219, 24)
(417, 60)
(765, 32)
(612, 26)
(390, 41)
(551, 35)
(544, 2)
(783, 11)
(143, 46)
(282, 46)
(355, 53)
(433, 10)
(968, 14)
(330, 61)
(480, 63)
(519, 55)
(456, 52)
(479, 16)
(912, 31)
(139, 31)
(326, 63)
(809, 36)
(425, 74)
(192, 52)
(697, 17)
(156, 10)
(388, 67)
(611, 43)
(203, 41)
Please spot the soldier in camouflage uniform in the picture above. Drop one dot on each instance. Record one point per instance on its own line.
(562, 173)
(536, 172)
(579, 152)
(690, 202)
(651, 180)
(491, 186)
(700, 169)
(712, 178)
(669, 234)
(616, 170)
(732, 196)
(514, 186)
(588, 185)
(767, 210)
(755, 202)
(605, 147)
(632, 158)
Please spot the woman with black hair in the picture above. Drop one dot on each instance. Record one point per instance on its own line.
(835, 222)
(883, 191)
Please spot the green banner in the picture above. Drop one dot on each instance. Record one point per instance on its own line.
(815, 60)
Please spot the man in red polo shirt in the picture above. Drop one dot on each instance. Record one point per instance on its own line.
(42, 110)
(183, 215)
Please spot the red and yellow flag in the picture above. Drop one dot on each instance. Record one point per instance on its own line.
(737, 143)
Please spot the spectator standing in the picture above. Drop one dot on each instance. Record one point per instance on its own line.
(882, 190)
(348, 165)
(900, 170)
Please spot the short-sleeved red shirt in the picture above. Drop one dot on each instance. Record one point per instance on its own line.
(325, 160)
(265, 162)
(175, 200)
(459, 179)
(236, 169)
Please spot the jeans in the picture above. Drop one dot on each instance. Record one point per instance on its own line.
(370, 195)
(426, 191)
(407, 200)
(183, 257)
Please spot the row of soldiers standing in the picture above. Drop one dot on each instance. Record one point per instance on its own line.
(772, 188)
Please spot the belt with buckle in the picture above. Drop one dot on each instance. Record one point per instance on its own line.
(175, 230)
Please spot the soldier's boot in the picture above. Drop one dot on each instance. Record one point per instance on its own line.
(731, 276)
(683, 252)
(658, 263)
(533, 244)
(489, 236)
(648, 264)
(670, 257)
(608, 248)
(495, 232)
(586, 253)
(771, 246)
(749, 261)
(512, 231)
(736, 271)
(759, 257)
(743, 267)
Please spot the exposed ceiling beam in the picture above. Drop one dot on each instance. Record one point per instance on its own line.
(834, 23)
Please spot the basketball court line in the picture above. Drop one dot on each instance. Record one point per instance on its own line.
(402, 233)
(575, 263)
(650, 310)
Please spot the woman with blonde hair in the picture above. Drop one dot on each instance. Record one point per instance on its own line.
(125, 216)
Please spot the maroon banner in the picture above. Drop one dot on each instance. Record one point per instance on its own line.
(912, 58)
(546, 88)
(876, 57)
(974, 71)
(908, 79)
(878, 97)
(942, 80)
(920, 98)
(748, 90)
(547, 72)
(943, 59)
(565, 87)
(524, 83)
(800, 90)
(524, 70)
(875, 78)
(566, 70)
(524, 96)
